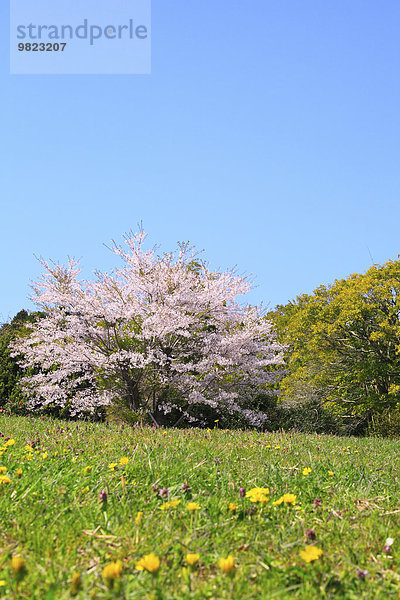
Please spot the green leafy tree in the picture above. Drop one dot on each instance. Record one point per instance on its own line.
(10, 372)
(343, 342)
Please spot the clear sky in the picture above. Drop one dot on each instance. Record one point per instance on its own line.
(268, 134)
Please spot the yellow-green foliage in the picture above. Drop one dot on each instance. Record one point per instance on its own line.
(344, 341)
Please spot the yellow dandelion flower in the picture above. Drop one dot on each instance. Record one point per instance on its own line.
(111, 572)
(138, 517)
(277, 447)
(4, 479)
(18, 567)
(311, 553)
(87, 469)
(3, 469)
(192, 559)
(2, 583)
(306, 471)
(10, 442)
(75, 577)
(232, 506)
(112, 466)
(75, 585)
(17, 563)
(227, 565)
(289, 498)
(74, 459)
(258, 495)
(150, 563)
(124, 460)
(44, 455)
(330, 473)
(192, 506)
(19, 472)
(85, 490)
(171, 504)
(257, 490)
(286, 499)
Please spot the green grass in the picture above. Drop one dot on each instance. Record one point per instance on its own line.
(52, 517)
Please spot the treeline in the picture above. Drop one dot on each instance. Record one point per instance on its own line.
(342, 361)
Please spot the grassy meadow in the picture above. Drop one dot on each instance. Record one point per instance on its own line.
(106, 511)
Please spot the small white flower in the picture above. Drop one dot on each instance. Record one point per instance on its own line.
(389, 541)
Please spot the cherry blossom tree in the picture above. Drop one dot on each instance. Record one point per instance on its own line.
(160, 332)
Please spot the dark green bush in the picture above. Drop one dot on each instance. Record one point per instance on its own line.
(10, 373)
(386, 424)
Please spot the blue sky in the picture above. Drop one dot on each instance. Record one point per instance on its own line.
(268, 134)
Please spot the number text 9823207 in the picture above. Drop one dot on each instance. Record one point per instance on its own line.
(42, 47)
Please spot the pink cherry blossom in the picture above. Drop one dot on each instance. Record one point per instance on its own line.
(158, 324)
